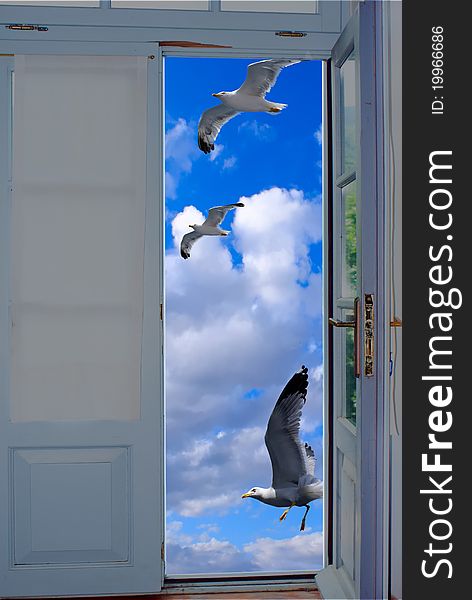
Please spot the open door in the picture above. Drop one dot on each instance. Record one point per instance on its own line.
(355, 320)
(81, 337)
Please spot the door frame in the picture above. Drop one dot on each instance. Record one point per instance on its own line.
(374, 434)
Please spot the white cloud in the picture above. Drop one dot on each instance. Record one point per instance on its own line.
(192, 507)
(299, 552)
(181, 151)
(319, 134)
(219, 474)
(317, 373)
(229, 163)
(216, 152)
(211, 555)
(180, 144)
(209, 527)
(175, 535)
(262, 131)
(273, 233)
(234, 328)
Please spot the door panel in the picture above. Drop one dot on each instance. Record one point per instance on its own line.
(346, 287)
(355, 567)
(347, 514)
(71, 506)
(81, 396)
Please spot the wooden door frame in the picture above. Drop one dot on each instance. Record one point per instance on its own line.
(374, 432)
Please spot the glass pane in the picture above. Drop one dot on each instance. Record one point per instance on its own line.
(162, 4)
(348, 114)
(271, 6)
(350, 391)
(349, 241)
(79, 139)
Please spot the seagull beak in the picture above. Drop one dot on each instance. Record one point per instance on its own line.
(246, 495)
(216, 95)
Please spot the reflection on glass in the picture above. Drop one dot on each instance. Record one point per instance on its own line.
(349, 246)
(350, 392)
(348, 114)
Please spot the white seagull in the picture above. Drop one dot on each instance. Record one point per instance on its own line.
(250, 97)
(293, 462)
(208, 227)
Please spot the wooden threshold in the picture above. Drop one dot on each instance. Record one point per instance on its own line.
(255, 595)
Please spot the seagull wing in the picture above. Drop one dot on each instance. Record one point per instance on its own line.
(210, 124)
(310, 459)
(262, 75)
(187, 242)
(218, 213)
(288, 455)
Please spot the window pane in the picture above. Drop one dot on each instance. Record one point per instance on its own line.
(271, 6)
(350, 390)
(348, 114)
(79, 139)
(349, 241)
(162, 4)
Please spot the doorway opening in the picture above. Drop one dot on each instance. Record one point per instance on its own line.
(243, 313)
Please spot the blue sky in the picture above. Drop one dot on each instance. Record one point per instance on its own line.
(242, 314)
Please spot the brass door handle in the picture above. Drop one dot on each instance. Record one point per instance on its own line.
(357, 336)
(336, 323)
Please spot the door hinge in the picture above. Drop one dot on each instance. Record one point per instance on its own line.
(291, 34)
(24, 27)
(162, 312)
(369, 335)
(163, 556)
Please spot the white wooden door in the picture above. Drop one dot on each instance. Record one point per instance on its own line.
(81, 468)
(355, 307)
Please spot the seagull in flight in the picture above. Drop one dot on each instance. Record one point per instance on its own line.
(293, 462)
(208, 227)
(250, 97)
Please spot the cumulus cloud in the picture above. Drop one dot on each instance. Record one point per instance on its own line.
(181, 151)
(217, 472)
(235, 323)
(211, 555)
(319, 134)
(298, 552)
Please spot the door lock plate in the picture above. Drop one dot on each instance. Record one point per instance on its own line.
(369, 335)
